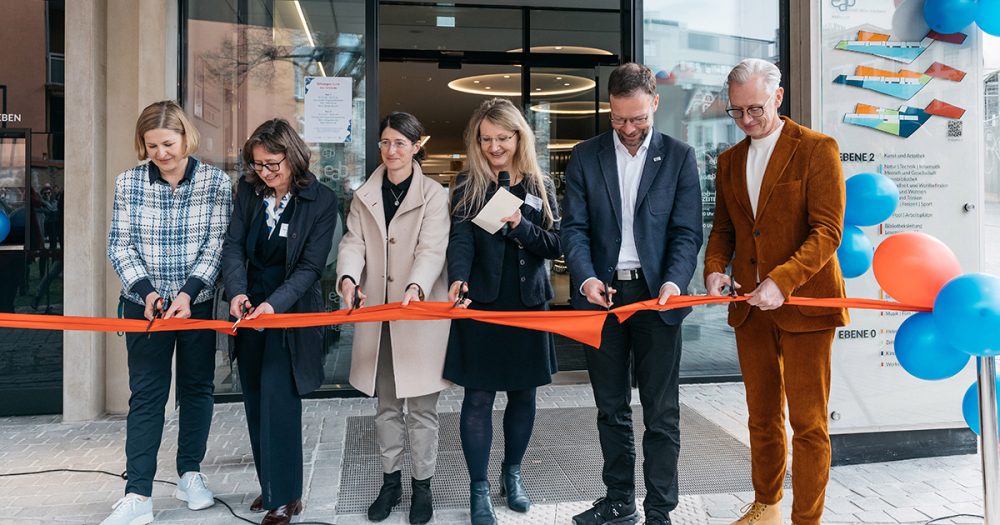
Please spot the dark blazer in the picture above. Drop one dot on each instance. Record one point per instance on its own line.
(793, 239)
(667, 224)
(310, 236)
(476, 257)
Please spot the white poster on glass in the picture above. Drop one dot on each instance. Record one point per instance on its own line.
(903, 101)
(328, 109)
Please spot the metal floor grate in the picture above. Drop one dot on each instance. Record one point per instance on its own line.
(563, 462)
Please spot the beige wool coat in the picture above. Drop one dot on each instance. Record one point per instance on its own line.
(384, 261)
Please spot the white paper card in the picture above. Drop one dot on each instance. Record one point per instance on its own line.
(503, 204)
(283, 232)
(534, 201)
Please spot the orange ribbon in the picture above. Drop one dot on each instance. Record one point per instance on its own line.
(584, 326)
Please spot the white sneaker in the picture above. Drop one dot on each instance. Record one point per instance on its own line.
(191, 488)
(133, 509)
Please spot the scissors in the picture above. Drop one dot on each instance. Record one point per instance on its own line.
(356, 300)
(462, 294)
(607, 295)
(159, 308)
(732, 286)
(244, 311)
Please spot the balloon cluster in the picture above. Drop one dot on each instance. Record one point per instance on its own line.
(918, 269)
(4, 225)
(951, 16)
(871, 199)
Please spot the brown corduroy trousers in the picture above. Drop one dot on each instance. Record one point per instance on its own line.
(779, 365)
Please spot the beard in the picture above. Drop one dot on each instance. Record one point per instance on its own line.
(633, 143)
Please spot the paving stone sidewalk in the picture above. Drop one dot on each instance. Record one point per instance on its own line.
(913, 491)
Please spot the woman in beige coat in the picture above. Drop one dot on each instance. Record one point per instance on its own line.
(394, 250)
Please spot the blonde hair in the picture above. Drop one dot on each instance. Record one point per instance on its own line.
(502, 113)
(165, 114)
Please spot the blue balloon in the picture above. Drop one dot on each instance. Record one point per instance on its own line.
(871, 199)
(988, 18)
(923, 351)
(950, 16)
(4, 225)
(967, 312)
(855, 252)
(970, 405)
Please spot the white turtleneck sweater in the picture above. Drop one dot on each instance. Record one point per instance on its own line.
(757, 159)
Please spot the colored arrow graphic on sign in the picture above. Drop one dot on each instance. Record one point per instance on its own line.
(878, 44)
(903, 121)
(902, 84)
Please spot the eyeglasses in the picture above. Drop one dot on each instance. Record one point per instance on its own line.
(635, 121)
(386, 144)
(500, 139)
(753, 111)
(271, 166)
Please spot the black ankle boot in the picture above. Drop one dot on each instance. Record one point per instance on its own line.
(388, 497)
(480, 506)
(421, 504)
(511, 486)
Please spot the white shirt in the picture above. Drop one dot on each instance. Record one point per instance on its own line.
(629, 175)
(757, 159)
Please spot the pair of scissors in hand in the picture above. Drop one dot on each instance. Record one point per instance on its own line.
(244, 312)
(160, 306)
(732, 286)
(462, 294)
(356, 300)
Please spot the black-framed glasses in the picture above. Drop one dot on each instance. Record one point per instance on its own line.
(271, 166)
(636, 121)
(386, 144)
(753, 111)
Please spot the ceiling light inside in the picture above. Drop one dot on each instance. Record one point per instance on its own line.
(570, 108)
(566, 50)
(509, 84)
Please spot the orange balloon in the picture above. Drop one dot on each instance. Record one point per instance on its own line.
(912, 267)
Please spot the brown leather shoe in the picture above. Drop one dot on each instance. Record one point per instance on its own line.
(757, 513)
(283, 514)
(257, 505)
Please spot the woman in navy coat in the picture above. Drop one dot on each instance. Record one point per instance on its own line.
(275, 250)
(505, 270)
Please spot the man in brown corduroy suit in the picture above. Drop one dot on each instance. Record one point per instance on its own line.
(778, 220)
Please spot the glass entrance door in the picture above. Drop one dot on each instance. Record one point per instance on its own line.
(440, 62)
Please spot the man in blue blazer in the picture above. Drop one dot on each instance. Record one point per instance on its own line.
(631, 231)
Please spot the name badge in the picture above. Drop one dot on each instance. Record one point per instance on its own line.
(283, 232)
(533, 201)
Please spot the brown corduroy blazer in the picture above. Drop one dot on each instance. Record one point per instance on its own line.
(795, 235)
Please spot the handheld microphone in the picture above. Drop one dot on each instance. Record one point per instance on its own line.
(503, 178)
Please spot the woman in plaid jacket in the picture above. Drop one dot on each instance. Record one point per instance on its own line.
(169, 218)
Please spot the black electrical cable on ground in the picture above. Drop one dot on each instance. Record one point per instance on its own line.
(123, 476)
(954, 516)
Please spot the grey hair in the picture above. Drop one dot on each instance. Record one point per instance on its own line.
(751, 67)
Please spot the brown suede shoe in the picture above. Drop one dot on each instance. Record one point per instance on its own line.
(283, 514)
(757, 513)
(257, 505)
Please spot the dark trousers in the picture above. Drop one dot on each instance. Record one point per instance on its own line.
(274, 414)
(149, 373)
(655, 351)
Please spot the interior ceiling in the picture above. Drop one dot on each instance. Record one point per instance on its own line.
(422, 89)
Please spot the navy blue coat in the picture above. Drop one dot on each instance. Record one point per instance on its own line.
(667, 225)
(310, 236)
(476, 257)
